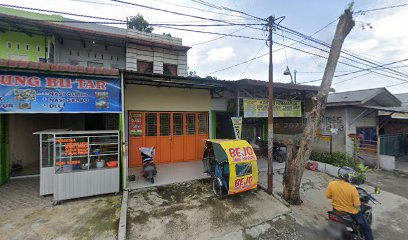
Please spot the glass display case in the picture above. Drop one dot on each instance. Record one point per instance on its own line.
(79, 163)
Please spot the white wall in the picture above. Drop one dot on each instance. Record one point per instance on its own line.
(147, 98)
(68, 51)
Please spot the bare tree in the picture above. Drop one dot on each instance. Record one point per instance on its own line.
(297, 158)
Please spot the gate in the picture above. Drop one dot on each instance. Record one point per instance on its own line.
(392, 144)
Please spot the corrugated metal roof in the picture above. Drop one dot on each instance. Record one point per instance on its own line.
(353, 96)
(279, 85)
(403, 97)
(25, 65)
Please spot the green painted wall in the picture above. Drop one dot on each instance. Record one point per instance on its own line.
(4, 149)
(214, 124)
(15, 38)
(27, 14)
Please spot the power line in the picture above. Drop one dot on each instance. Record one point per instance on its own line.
(369, 61)
(238, 64)
(60, 12)
(173, 4)
(382, 8)
(169, 11)
(217, 38)
(226, 8)
(361, 70)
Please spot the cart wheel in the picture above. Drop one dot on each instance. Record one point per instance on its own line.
(218, 188)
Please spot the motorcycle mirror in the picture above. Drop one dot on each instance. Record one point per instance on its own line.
(377, 190)
(259, 138)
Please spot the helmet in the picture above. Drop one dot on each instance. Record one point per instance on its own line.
(347, 174)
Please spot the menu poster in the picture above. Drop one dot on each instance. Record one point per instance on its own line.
(136, 124)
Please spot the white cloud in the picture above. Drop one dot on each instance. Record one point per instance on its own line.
(220, 54)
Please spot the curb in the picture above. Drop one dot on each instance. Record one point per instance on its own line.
(123, 216)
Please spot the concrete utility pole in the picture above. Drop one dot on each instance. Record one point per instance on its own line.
(295, 164)
(271, 20)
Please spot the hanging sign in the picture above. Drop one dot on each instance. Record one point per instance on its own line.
(237, 125)
(281, 108)
(50, 93)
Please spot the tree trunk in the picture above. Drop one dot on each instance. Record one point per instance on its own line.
(295, 164)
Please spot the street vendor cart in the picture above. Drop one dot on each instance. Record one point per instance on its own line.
(232, 164)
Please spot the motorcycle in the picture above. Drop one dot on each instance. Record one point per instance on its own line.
(149, 168)
(262, 150)
(342, 225)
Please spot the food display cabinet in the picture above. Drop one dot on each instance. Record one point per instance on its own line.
(77, 164)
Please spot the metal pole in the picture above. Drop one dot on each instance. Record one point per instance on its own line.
(270, 111)
(238, 102)
(294, 74)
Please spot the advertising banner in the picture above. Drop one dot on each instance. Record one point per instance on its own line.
(281, 108)
(51, 93)
(237, 125)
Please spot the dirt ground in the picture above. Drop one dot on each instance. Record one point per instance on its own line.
(390, 217)
(88, 218)
(191, 211)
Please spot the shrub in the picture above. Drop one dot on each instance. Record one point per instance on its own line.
(340, 159)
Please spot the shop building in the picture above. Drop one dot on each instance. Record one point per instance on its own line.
(80, 104)
(249, 99)
(365, 123)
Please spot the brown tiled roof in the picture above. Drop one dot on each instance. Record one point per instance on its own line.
(13, 64)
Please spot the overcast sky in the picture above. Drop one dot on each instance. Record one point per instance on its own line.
(385, 42)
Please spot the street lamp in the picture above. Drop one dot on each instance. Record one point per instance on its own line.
(287, 72)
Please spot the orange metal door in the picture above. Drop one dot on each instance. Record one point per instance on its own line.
(202, 126)
(190, 137)
(163, 149)
(178, 137)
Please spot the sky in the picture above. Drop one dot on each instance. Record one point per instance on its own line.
(378, 36)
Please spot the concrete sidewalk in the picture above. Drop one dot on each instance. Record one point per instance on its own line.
(191, 211)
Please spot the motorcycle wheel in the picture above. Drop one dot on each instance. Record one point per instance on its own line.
(281, 157)
(218, 188)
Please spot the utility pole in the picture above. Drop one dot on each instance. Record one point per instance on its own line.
(271, 20)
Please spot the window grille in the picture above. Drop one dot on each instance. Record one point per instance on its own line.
(151, 124)
(191, 123)
(178, 128)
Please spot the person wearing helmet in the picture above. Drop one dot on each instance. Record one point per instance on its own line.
(345, 198)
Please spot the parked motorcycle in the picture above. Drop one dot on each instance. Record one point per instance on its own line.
(342, 226)
(149, 168)
(279, 155)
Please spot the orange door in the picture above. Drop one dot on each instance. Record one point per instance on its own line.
(190, 137)
(178, 137)
(163, 149)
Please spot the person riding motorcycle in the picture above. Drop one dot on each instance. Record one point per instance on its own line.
(345, 198)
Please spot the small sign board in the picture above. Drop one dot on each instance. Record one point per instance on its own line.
(237, 125)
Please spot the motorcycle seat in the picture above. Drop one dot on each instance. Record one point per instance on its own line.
(343, 215)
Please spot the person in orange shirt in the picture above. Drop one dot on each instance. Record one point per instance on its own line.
(345, 198)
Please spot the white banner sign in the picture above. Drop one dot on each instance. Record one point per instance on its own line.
(237, 125)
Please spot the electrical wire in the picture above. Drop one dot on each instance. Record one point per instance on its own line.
(217, 38)
(169, 11)
(169, 3)
(382, 8)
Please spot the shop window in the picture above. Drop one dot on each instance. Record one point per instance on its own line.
(164, 124)
(144, 67)
(151, 124)
(27, 46)
(243, 169)
(191, 123)
(170, 69)
(94, 64)
(202, 123)
(178, 128)
(9, 45)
